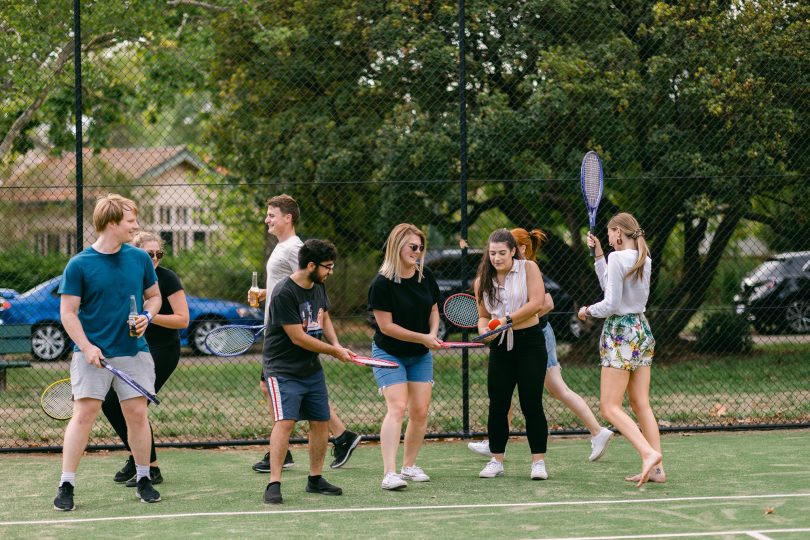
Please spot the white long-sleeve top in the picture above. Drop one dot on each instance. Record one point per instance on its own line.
(623, 294)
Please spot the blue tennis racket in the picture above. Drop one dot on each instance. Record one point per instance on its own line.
(131, 382)
(591, 180)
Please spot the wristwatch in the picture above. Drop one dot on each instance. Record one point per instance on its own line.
(508, 319)
(148, 316)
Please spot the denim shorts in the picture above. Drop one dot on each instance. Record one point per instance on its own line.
(411, 368)
(299, 399)
(88, 381)
(551, 346)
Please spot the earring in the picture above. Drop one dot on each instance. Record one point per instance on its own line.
(619, 240)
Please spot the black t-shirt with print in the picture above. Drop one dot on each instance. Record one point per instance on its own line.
(410, 303)
(292, 304)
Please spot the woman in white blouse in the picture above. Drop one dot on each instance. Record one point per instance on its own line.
(511, 290)
(626, 346)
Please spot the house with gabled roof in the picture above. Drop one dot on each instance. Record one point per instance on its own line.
(38, 196)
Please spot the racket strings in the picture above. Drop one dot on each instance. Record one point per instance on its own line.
(230, 340)
(591, 180)
(57, 400)
(462, 311)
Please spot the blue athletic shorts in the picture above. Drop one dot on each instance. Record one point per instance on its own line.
(299, 399)
(551, 346)
(411, 368)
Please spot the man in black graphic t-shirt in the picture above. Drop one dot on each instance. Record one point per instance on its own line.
(299, 317)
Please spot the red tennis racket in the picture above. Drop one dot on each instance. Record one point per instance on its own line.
(373, 362)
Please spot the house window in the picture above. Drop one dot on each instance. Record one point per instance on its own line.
(166, 215)
(70, 243)
(199, 238)
(182, 214)
(48, 243)
(168, 240)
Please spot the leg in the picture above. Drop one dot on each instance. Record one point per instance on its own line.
(556, 386)
(279, 443)
(613, 385)
(501, 382)
(419, 394)
(166, 360)
(638, 392)
(85, 411)
(530, 358)
(336, 425)
(111, 408)
(318, 440)
(140, 433)
(396, 402)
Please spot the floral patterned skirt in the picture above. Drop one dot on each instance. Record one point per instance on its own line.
(626, 342)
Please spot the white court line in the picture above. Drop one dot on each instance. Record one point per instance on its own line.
(754, 534)
(759, 536)
(410, 508)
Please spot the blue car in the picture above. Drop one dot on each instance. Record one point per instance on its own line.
(39, 307)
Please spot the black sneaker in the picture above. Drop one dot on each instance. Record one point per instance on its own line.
(323, 487)
(127, 472)
(343, 450)
(263, 466)
(272, 493)
(146, 492)
(64, 498)
(154, 474)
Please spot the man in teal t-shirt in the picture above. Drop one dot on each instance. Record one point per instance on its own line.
(95, 304)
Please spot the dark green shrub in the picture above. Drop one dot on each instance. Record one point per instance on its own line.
(724, 332)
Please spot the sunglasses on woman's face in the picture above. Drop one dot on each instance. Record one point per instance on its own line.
(156, 254)
(416, 247)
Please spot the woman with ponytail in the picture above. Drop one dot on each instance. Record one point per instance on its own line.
(626, 346)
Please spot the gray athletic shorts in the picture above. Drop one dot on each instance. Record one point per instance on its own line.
(89, 381)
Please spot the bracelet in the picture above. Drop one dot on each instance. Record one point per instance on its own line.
(508, 319)
(147, 315)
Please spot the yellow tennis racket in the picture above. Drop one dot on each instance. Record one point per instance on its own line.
(57, 400)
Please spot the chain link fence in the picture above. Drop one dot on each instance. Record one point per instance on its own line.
(458, 118)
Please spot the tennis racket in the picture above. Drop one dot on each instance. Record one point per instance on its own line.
(591, 180)
(373, 362)
(57, 400)
(132, 383)
(232, 340)
(461, 309)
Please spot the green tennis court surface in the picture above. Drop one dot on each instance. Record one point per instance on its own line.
(721, 485)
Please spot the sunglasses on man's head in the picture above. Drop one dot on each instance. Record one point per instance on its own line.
(416, 247)
(156, 254)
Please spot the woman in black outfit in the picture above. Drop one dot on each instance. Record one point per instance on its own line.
(163, 338)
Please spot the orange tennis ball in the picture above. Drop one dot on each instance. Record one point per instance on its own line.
(494, 323)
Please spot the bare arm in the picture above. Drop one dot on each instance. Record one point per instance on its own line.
(69, 313)
(179, 319)
(301, 339)
(548, 306)
(385, 320)
(151, 304)
(329, 332)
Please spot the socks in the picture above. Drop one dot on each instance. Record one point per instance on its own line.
(69, 477)
(313, 479)
(141, 471)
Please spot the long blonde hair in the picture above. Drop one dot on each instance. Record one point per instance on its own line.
(391, 267)
(628, 225)
(532, 241)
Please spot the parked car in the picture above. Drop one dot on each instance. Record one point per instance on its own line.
(446, 267)
(39, 307)
(776, 294)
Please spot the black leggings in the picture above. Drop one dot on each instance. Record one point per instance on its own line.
(525, 367)
(166, 358)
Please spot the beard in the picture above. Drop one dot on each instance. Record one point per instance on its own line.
(314, 277)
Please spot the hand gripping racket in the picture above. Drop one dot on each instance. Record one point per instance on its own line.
(462, 310)
(132, 383)
(591, 180)
(57, 400)
(372, 362)
(232, 340)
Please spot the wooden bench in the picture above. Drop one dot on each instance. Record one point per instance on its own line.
(14, 339)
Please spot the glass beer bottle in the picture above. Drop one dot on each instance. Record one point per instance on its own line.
(253, 293)
(133, 312)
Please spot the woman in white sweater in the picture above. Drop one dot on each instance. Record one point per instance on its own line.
(626, 346)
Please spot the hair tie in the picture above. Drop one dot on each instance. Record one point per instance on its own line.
(638, 232)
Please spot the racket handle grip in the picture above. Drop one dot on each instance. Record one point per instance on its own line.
(593, 249)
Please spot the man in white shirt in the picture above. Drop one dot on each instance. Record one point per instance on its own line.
(282, 215)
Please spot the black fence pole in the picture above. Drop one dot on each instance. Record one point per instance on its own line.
(462, 118)
(77, 70)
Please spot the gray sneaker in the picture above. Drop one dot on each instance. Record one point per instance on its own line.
(492, 469)
(393, 482)
(414, 473)
(599, 444)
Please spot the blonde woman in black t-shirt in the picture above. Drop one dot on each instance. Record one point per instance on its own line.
(404, 297)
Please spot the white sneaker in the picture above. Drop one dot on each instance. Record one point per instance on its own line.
(539, 470)
(492, 469)
(414, 473)
(599, 443)
(480, 447)
(393, 482)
